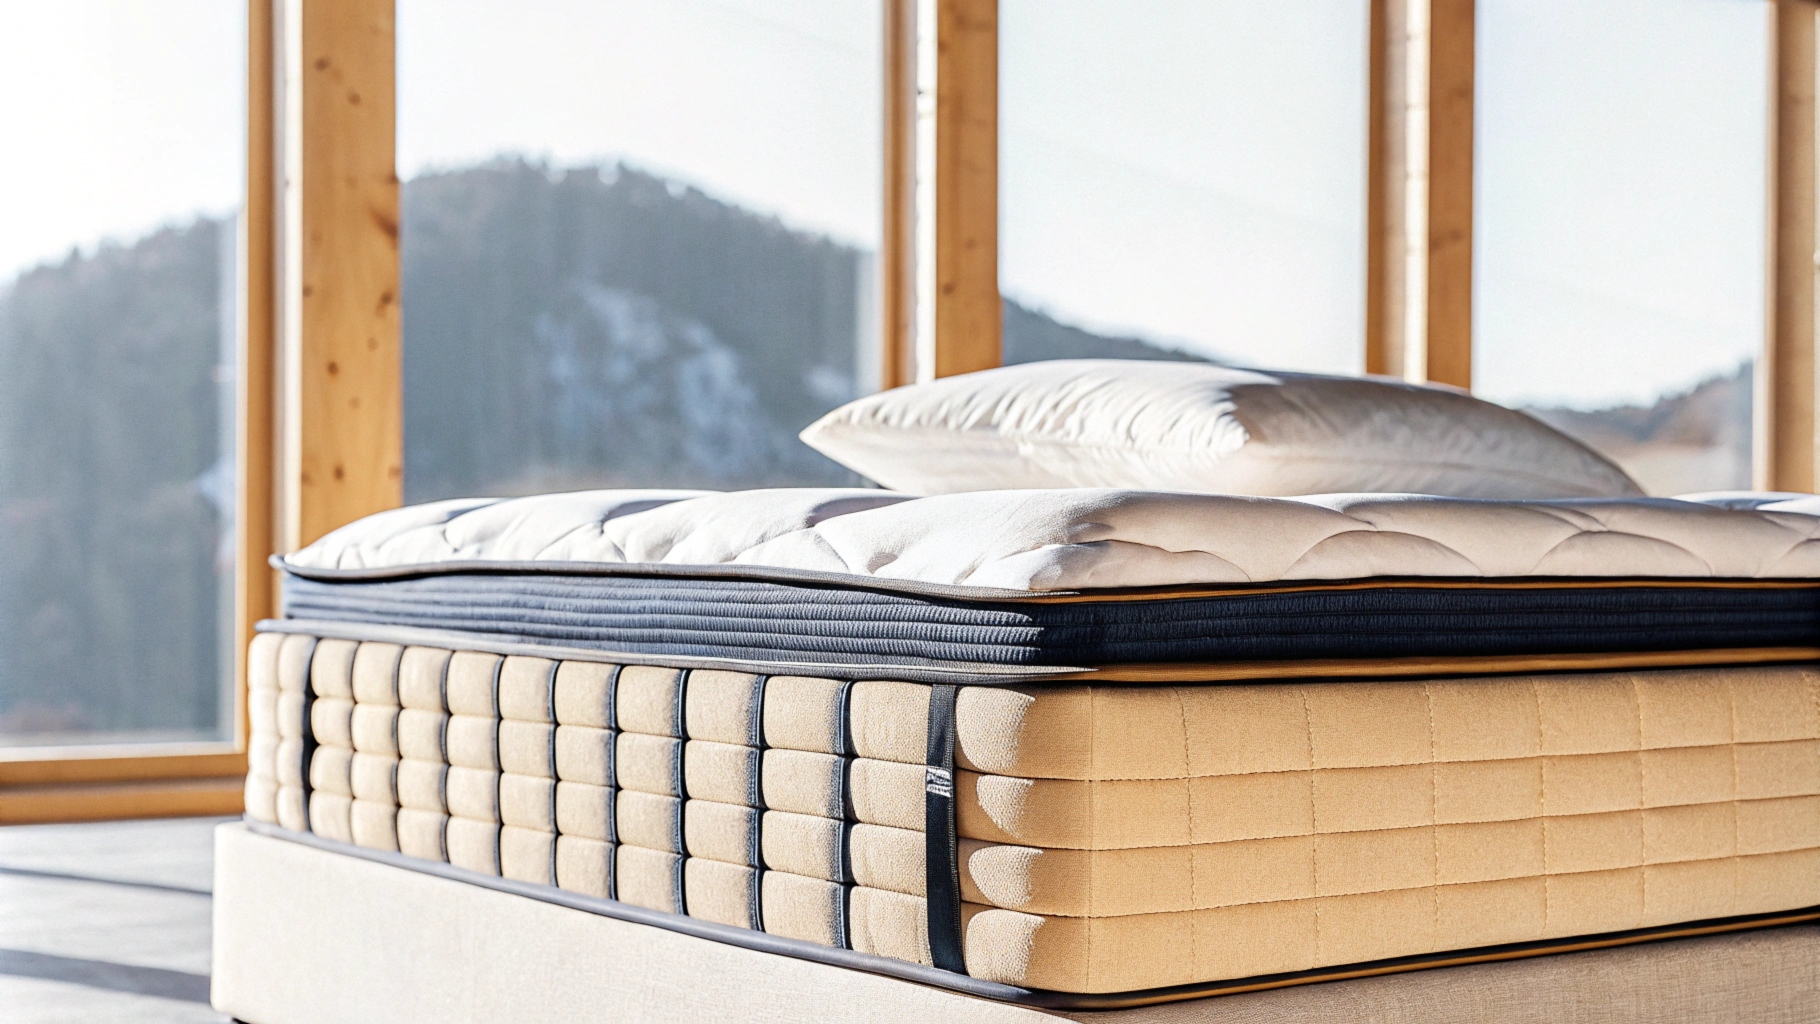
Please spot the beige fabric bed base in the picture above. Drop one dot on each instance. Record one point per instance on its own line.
(305, 936)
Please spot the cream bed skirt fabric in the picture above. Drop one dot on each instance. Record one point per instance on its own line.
(307, 936)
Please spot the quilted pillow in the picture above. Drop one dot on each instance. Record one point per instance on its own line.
(1197, 427)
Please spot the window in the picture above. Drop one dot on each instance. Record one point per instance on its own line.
(119, 196)
(681, 196)
(1620, 226)
(1183, 179)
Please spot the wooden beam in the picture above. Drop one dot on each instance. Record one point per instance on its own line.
(897, 239)
(255, 406)
(31, 805)
(341, 381)
(40, 766)
(960, 318)
(1785, 449)
(1418, 302)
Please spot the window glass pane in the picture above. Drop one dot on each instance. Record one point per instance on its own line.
(1620, 237)
(1191, 175)
(125, 135)
(638, 239)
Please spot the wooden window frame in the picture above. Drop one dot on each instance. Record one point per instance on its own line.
(1419, 190)
(320, 410)
(1784, 449)
(320, 405)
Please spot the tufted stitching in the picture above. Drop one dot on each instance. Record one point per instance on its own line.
(1228, 527)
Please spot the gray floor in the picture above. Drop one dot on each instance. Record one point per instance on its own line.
(106, 922)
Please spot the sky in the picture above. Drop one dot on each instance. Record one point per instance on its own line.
(1202, 185)
(118, 116)
(1188, 171)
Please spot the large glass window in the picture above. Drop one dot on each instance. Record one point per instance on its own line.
(125, 139)
(1620, 225)
(1183, 179)
(638, 239)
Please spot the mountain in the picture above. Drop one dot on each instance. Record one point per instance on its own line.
(1031, 336)
(1694, 440)
(111, 496)
(601, 326)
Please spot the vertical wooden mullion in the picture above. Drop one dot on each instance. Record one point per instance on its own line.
(1386, 150)
(969, 315)
(1418, 317)
(1784, 451)
(254, 377)
(897, 239)
(341, 400)
(945, 142)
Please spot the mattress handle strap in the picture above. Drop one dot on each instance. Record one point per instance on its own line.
(679, 780)
(941, 860)
(307, 755)
(755, 838)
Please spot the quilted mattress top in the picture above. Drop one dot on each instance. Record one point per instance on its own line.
(1034, 541)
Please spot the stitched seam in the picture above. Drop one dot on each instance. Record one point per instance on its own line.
(1731, 695)
(1093, 820)
(1314, 825)
(1636, 696)
(1194, 894)
(1535, 690)
(1434, 813)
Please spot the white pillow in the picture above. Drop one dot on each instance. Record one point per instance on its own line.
(1172, 426)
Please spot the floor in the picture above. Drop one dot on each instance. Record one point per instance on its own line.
(106, 922)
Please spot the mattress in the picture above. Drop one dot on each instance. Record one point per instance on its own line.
(1143, 841)
(1071, 745)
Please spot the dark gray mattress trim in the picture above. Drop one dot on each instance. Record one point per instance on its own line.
(765, 942)
(494, 643)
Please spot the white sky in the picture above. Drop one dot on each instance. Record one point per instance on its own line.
(1621, 180)
(1192, 172)
(770, 103)
(1187, 170)
(117, 116)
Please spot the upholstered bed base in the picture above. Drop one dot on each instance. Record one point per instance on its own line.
(304, 935)
(1079, 839)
